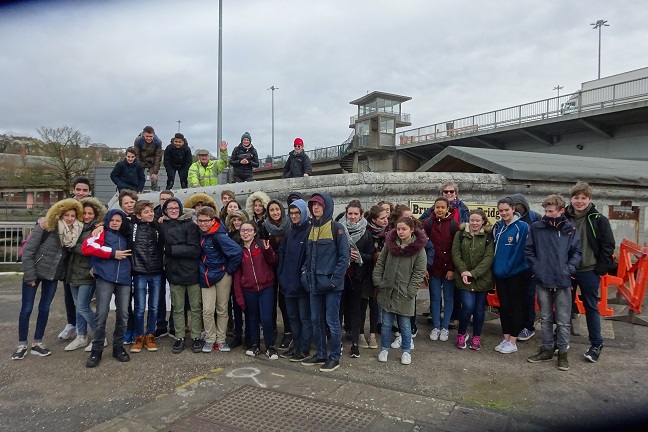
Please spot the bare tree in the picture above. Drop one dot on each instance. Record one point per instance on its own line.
(68, 155)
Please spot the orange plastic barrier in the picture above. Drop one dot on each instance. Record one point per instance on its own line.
(633, 272)
(604, 309)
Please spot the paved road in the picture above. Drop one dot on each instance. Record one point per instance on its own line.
(444, 388)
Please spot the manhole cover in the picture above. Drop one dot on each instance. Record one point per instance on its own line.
(256, 409)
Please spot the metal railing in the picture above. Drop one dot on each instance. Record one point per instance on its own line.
(12, 235)
(565, 105)
(404, 117)
(335, 152)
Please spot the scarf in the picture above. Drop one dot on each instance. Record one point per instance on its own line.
(355, 231)
(275, 230)
(68, 235)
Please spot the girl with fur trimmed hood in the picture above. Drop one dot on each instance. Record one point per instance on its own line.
(398, 273)
(44, 259)
(256, 205)
(201, 199)
(82, 284)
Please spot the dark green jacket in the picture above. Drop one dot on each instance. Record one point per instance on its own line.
(473, 253)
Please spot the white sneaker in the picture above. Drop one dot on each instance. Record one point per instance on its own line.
(434, 334)
(397, 342)
(67, 332)
(406, 358)
(444, 335)
(382, 357)
(79, 342)
(508, 348)
(501, 344)
(89, 347)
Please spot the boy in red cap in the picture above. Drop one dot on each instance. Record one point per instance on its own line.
(298, 163)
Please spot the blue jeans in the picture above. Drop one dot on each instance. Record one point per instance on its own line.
(299, 315)
(559, 298)
(48, 289)
(104, 291)
(404, 325)
(472, 304)
(141, 283)
(589, 283)
(436, 286)
(258, 308)
(82, 294)
(325, 310)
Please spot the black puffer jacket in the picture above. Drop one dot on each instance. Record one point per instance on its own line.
(147, 248)
(177, 158)
(238, 154)
(181, 239)
(297, 165)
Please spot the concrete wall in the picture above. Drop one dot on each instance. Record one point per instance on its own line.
(371, 187)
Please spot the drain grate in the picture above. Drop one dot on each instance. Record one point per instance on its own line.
(256, 409)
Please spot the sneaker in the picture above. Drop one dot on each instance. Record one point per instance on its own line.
(501, 344)
(272, 353)
(363, 342)
(178, 346)
(89, 347)
(160, 332)
(94, 359)
(288, 353)
(563, 362)
(68, 332)
(149, 342)
(475, 343)
(138, 345)
(592, 354)
(299, 357)
(39, 349)
(207, 347)
(314, 360)
(196, 345)
(222, 347)
(253, 351)
(286, 341)
(80, 341)
(406, 358)
(121, 354)
(434, 334)
(373, 344)
(526, 334)
(355, 351)
(462, 341)
(382, 357)
(20, 353)
(330, 366)
(508, 348)
(236, 342)
(445, 334)
(129, 338)
(397, 342)
(542, 355)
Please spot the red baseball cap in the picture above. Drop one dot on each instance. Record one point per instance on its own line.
(299, 142)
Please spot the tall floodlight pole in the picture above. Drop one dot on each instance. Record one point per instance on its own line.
(219, 126)
(599, 25)
(273, 88)
(558, 87)
(178, 121)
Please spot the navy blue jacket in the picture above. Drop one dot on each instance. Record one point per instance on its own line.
(509, 247)
(327, 253)
(128, 176)
(177, 158)
(102, 250)
(553, 252)
(292, 252)
(220, 255)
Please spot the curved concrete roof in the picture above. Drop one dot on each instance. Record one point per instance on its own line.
(520, 165)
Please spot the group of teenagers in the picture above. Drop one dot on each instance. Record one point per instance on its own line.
(147, 156)
(228, 269)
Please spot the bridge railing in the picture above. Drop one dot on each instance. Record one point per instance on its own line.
(11, 238)
(603, 97)
(335, 152)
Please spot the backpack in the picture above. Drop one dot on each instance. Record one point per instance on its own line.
(24, 242)
(156, 142)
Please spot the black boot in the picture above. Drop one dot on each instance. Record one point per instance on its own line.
(121, 354)
(94, 359)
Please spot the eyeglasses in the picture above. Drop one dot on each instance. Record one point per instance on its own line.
(299, 146)
(448, 192)
(247, 230)
(204, 221)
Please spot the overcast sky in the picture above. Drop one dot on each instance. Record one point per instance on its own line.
(111, 67)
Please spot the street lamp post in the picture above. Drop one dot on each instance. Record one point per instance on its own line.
(273, 88)
(599, 25)
(219, 126)
(558, 87)
(178, 121)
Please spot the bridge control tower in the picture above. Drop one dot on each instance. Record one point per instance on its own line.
(374, 145)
